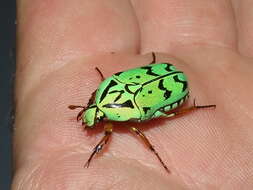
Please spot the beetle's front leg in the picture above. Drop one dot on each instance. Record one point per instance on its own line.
(79, 115)
(100, 73)
(108, 131)
(149, 145)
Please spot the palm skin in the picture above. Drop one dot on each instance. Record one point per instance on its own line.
(60, 44)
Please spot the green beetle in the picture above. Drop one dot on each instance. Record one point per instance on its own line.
(136, 95)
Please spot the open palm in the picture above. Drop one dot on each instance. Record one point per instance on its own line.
(61, 42)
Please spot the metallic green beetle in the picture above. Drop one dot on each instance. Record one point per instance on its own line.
(137, 95)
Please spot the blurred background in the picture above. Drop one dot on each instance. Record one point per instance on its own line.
(7, 70)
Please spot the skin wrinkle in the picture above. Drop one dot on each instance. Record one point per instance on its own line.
(29, 178)
(40, 81)
(244, 25)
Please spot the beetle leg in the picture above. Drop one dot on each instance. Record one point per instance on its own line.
(108, 131)
(187, 110)
(100, 73)
(149, 145)
(79, 116)
(154, 58)
(92, 98)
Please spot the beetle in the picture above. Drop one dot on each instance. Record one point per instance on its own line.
(136, 95)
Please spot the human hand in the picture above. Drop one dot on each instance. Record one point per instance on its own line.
(60, 43)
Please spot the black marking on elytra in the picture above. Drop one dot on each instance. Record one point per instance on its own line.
(95, 115)
(146, 109)
(120, 94)
(167, 68)
(137, 76)
(111, 84)
(114, 91)
(167, 93)
(118, 73)
(134, 99)
(160, 85)
(177, 104)
(92, 106)
(160, 77)
(150, 91)
(185, 84)
(149, 71)
(127, 88)
(126, 104)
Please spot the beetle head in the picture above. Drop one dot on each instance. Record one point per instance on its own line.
(92, 116)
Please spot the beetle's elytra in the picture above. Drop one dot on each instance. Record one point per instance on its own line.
(136, 95)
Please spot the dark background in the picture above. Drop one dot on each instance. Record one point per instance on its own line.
(7, 68)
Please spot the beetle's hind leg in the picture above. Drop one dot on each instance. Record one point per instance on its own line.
(149, 145)
(108, 131)
(187, 110)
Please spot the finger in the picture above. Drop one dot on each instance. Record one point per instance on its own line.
(168, 25)
(244, 16)
(50, 34)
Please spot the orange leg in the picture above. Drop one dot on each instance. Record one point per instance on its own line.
(79, 115)
(149, 145)
(187, 110)
(108, 131)
(100, 73)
